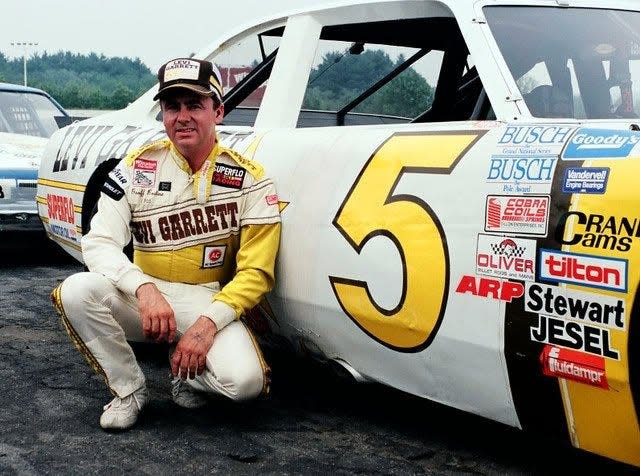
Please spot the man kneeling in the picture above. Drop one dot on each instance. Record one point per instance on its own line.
(206, 228)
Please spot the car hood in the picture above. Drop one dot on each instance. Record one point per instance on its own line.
(18, 151)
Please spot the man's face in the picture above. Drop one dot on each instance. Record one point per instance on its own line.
(189, 120)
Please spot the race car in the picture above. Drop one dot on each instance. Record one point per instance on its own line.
(457, 185)
(27, 119)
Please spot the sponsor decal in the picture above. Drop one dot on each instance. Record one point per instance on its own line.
(573, 365)
(576, 305)
(181, 69)
(187, 223)
(213, 256)
(64, 232)
(112, 189)
(520, 214)
(585, 270)
(60, 208)
(585, 180)
(509, 258)
(164, 186)
(597, 231)
(522, 174)
(527, 135)
(271, 199)
(228, 176)
(144, 173)
(120, 176)
(490, 288)
(93, 144)
(574, 335)
(589, 143)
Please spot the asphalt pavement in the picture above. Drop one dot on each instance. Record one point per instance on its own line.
(312, 422)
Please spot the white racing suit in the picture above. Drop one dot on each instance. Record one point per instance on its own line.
(208, 240)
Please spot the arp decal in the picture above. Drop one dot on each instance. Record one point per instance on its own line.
(585, 180)
(518, 214)
(589, 143)
(372, 208)
(597, 231)
(490, 288)
(573, 365)
(585, 270)
(503, 257)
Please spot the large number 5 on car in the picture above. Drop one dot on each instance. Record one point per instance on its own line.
(371, 208)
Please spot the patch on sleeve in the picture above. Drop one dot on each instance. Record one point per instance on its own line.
(120, 176)
(228, 176)
(112, 189)
(213, 256)
(271, 199)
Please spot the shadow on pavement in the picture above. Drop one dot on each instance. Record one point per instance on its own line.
(28, 248)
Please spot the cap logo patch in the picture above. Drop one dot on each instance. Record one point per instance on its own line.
(181, 69)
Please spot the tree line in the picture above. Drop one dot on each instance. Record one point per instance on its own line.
(80, 81)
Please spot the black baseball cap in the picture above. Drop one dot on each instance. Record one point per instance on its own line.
(196, 75)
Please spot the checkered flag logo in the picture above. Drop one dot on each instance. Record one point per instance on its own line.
(508, 248)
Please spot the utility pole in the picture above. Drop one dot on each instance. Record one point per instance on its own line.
(24, 55)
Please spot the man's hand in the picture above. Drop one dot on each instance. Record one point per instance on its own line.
(190, 357)
(158, 319)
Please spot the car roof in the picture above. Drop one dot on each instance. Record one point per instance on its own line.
(20, 88)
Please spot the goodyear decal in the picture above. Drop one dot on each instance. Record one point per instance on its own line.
(587, 143)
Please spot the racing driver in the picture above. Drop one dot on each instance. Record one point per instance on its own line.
(205, 224)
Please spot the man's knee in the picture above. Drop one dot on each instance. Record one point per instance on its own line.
(247, 382)
(81, 290)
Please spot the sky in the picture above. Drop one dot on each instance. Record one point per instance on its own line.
(152, 30)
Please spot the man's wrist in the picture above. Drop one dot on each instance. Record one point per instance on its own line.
(209, 323)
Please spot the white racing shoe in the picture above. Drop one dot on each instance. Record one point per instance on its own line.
(185, 396)
(122, 413)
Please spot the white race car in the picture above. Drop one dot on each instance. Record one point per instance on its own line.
(458, 187)
(28, 117)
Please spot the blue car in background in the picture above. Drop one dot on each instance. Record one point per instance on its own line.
(28, 117)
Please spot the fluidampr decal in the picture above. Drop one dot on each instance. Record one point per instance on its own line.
(573, 365)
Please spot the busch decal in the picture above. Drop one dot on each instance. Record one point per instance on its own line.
(503, 257)
(589, 143)
(519, 214)
(585, 270)
(585, 180)
(538, 135)
(522, 174)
